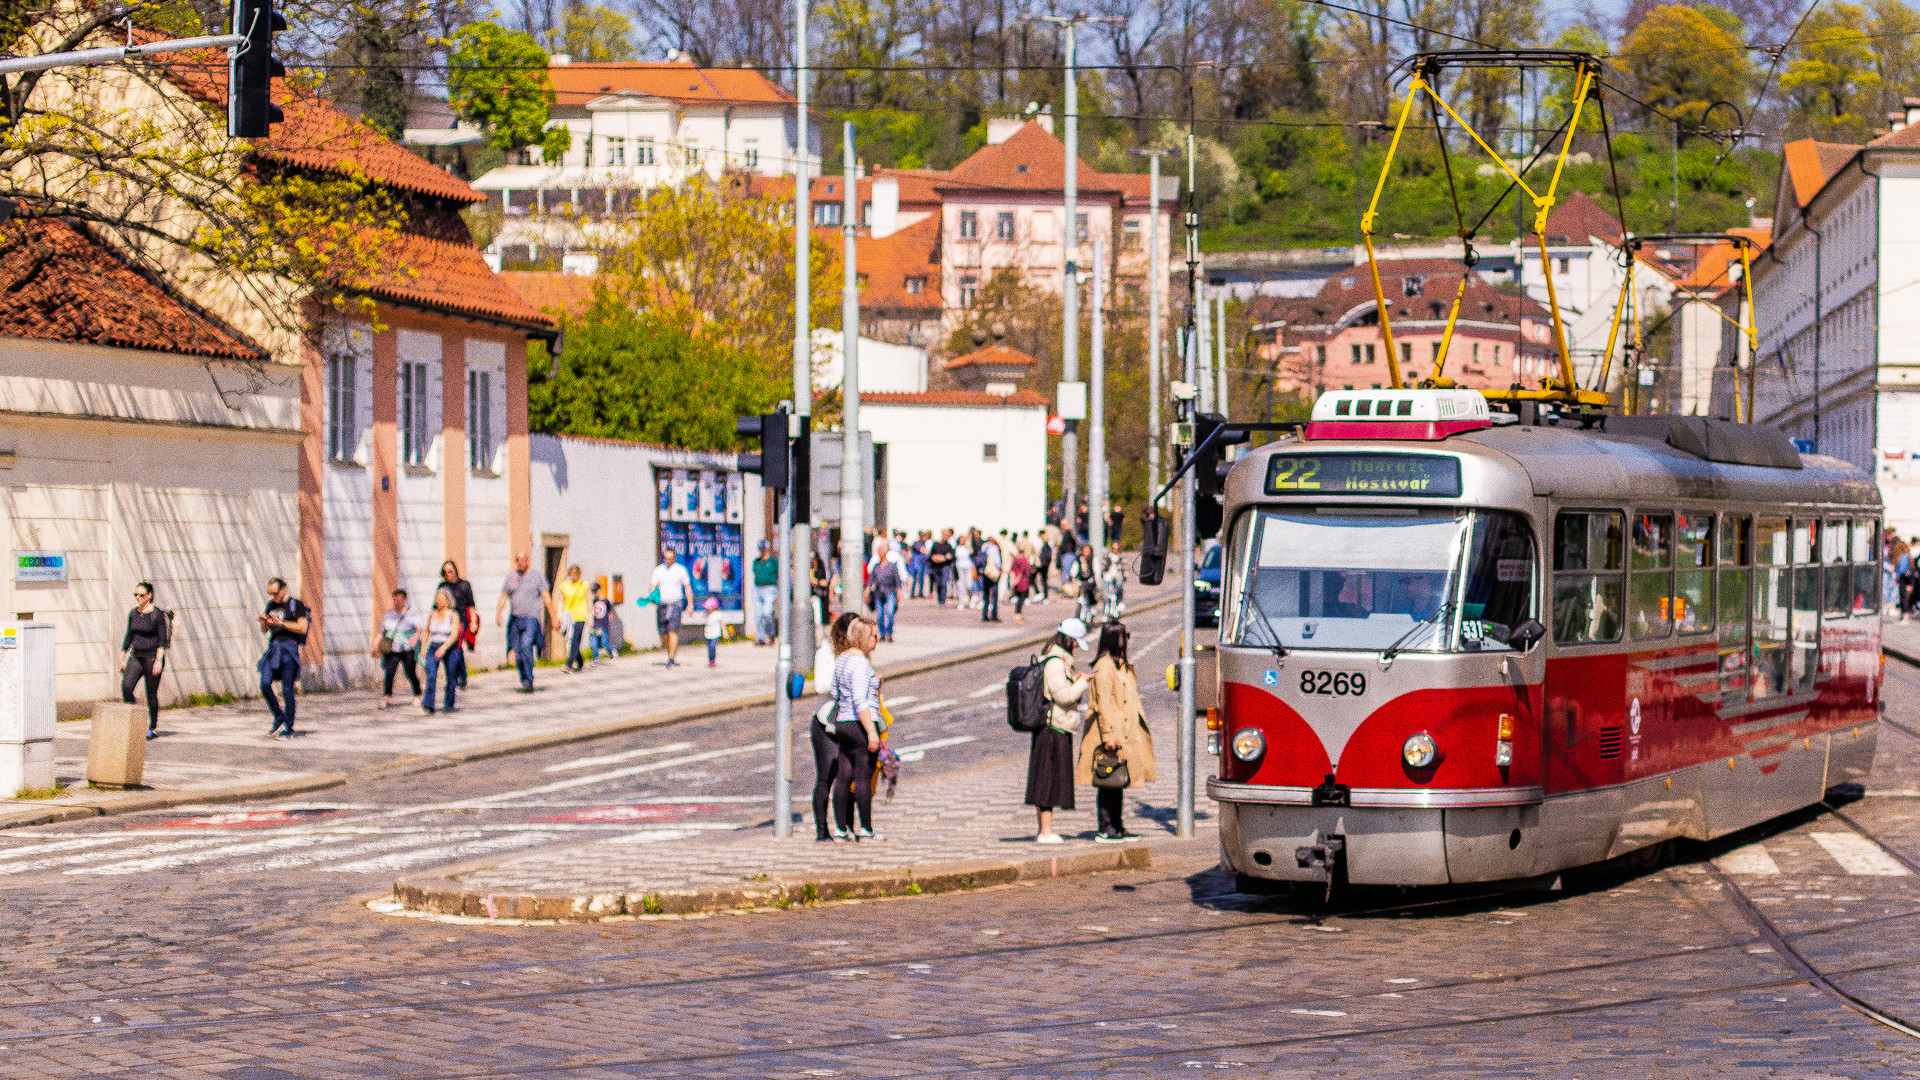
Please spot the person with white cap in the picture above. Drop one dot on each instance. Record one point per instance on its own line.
(1050, 763)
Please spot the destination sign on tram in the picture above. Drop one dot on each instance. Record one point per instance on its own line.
(1364, 474)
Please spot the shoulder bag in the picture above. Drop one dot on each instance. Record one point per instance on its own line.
(1108, 770)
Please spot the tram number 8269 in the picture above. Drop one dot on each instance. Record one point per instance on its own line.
(1333, 683)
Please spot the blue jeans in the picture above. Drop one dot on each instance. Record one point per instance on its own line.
(523, 637)
(885, 604)
(280, 663)
(451, 663)
(767, 599)
(598, 642)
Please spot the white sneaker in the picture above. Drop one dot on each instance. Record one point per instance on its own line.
(1048, 838)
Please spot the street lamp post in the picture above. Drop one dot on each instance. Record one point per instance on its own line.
(852, 489)
(1156, 277)
(794, 535)
(1097, 417)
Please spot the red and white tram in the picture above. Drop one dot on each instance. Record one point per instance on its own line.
(1458, 647)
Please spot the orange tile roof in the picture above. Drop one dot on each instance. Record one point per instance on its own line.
(451, 276)
(1580, 220)
(1811, 164)
(1711, 273)
(887, 263)
(60, 282)
(560, 295)
(995, 355)
(1031, 159)
(675, 80)
(1019, 399)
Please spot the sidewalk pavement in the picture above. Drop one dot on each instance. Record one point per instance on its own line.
(1900, 640)
(965, 829)
(223, 753)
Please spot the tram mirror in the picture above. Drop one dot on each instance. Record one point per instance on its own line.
(1528, 634)
(1153, 548)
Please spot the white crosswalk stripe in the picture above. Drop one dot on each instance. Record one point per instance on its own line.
(52, 862)
(1858, 855)
(186, 858)
(615, 759)
(1752, 859)
(400, 860)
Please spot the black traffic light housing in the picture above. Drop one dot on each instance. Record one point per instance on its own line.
(1154, 534)
(1210, 444)
(774, 462)
(251, 70)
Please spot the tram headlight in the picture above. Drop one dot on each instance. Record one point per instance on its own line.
(1420, 751)
(1249, 744)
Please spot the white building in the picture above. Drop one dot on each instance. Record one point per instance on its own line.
(1583, 259)
(1839, 361)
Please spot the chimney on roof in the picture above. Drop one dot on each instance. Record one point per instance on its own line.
(1001, 128)
(560, 59)
(1896, 121)
(886, 206)
(1912, 106)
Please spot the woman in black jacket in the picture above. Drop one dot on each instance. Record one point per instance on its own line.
(462, 591)
(143, 652)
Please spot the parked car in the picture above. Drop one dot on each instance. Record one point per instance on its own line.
(1206, 586)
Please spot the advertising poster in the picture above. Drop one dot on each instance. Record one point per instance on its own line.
(673, 537)
(713, 497)
(686, 496)
(712, 556)
(664, 481)
(736, 497)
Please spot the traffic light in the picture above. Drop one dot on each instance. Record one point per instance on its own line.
(1208, 472)
(774, 461)
(251, 69)
(1153, 547)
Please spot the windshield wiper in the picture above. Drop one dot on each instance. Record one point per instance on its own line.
(1273, 636)
(1393, 650)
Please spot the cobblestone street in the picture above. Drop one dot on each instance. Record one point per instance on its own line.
(270, 963)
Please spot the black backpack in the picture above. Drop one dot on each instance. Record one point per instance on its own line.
(1027, 696)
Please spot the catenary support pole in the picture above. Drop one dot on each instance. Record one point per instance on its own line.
(1070, 275)
(1097, 417)
(853, 513)
(796, 612)
(1203, 348)
(1220, 350)
(1156, 280)
(1190, 373)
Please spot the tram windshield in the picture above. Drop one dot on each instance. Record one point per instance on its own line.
(1370, 579)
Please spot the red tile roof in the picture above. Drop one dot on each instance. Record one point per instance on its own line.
(1580, 220)
(1811, 164)
(1019, 399)
(1031, 159)
(451, 276)
(560, 295)
(1353, 289)
(674, 80)
(994, 355)
(918, 189)
(1711, 273)
(887, 263)
(59, 282)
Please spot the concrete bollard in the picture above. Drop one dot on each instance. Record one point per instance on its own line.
(117, 745)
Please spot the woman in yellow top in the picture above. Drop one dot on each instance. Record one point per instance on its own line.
(573, 599)
(1117, 726)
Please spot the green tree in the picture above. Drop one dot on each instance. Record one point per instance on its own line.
(596, 34)
(1832, 79)
(1683, 59)
(643, 376)
(497, 80)
(1894, 31)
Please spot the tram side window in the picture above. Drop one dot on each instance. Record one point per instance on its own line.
(1693, 574)
(1772, 556)
(1806, 599)
(1650, 590)
(1736, 552)
(1589, 553)
(1835, 541)
(1866, 566)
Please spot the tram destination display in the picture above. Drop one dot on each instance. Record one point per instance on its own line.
(1364, 474)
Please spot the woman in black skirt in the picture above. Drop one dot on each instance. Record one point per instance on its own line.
(1050, 764)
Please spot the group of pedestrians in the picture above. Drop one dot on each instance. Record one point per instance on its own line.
(976, 571)
(440, 640)
(1103, 708)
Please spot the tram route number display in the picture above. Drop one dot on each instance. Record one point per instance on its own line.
(1364, 474)
(1333, 683)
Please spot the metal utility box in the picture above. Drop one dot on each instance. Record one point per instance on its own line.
(26, 707)
(826, 454)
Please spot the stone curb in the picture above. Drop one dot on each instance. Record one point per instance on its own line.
(441, 896)
(408, 766)
(1904, 658)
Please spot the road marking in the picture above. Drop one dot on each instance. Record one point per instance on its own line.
(918, 751)
(1156, 642)
(615, 759)
(400, 860)
(1752, 859)
(1858, 855)
(616, 774)
(307, 858)
(930, 706)
(92, 840)
(988, 689)
(1316, 1012)
(68, 860)
(904, 699)
(185, 858)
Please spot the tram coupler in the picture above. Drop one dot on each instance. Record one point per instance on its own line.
(1332, 794)
(1326, 855)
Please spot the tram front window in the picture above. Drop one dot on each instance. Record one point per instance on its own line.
(1368, 580)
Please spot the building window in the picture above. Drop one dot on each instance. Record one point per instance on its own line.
(1413, 285)
(1371, 358)
(750, 153)
(1080, 227)
(916, 286)
(693, 156)
(524, 156)
(1496, 356)
(826, 213)
(1130, 234)
(969, 225)
(990, 452)
(866, 215)
(969, 286)
(1320, 355)
(643, 152)
(1406, 352)
(480, 420)
(343, 417)
(1476, 352)
(1003, 226)
(1435, 358)
(415, 438)
(1564, 263)
(616, 151)
(1357, 354)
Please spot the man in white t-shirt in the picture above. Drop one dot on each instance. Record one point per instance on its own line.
(676, 596)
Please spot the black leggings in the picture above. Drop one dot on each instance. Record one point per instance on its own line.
(826, 754)
(395, 661)
(142, 667)
(1110, 802)
(853, 776)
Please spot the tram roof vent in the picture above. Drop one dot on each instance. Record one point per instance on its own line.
(1397, 414)
(1712, 440)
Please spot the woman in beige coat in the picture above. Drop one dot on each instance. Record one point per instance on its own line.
(1118, 724)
